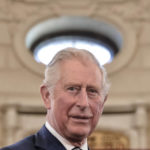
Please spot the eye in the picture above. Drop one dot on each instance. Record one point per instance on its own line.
(92, 92)
(73, 89)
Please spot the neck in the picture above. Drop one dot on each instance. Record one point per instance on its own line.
(74, 140)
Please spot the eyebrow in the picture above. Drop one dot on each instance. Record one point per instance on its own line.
(72, 84)
(95, 88)
(80, 84)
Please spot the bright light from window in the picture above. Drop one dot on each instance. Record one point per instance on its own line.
(46, 50)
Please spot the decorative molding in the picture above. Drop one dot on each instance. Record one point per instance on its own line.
(119, 62)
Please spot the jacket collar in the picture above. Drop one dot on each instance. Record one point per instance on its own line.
(45, 140)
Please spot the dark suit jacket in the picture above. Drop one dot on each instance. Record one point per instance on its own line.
(42, 140)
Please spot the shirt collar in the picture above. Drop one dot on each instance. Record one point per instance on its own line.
(65, 143)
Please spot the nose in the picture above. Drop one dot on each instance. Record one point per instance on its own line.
(82, 99)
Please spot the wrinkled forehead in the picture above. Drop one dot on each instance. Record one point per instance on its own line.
(86, 62)
(75, 68)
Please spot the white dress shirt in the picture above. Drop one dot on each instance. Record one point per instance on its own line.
(63, 141)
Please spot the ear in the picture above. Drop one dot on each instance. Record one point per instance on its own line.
(103, 103)
(45, 96)
(105, 99)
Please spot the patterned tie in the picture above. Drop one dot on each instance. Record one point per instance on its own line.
(76, 148)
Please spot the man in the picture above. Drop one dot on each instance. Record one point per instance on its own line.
(74, 92)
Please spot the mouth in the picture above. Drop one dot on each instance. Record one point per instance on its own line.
(81, 119)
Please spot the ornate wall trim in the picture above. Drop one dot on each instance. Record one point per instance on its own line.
(119, 62)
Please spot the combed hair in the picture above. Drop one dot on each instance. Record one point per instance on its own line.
(52, 71)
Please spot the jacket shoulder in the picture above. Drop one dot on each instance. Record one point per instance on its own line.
(25, 144)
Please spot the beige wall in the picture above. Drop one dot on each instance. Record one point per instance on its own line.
(19, 84)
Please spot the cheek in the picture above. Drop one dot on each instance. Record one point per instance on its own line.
(97, 109)
(62, 105)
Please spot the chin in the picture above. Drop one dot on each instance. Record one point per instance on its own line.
(77, 137)
(83, 133)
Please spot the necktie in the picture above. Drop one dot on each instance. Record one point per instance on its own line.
(76, 148)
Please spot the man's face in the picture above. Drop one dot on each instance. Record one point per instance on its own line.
(76, 104)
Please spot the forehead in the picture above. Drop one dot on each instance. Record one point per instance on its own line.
(78, 72)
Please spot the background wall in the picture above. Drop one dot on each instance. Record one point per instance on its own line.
(19, 85)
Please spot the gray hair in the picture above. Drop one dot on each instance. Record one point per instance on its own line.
(52, 71)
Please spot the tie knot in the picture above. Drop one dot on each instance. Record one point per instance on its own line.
(76, 148)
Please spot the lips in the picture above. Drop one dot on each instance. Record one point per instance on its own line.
(83, 119)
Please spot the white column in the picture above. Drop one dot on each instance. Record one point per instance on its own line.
(10, 123)
(141, 125)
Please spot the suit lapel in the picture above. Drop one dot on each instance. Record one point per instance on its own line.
(45, 140)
